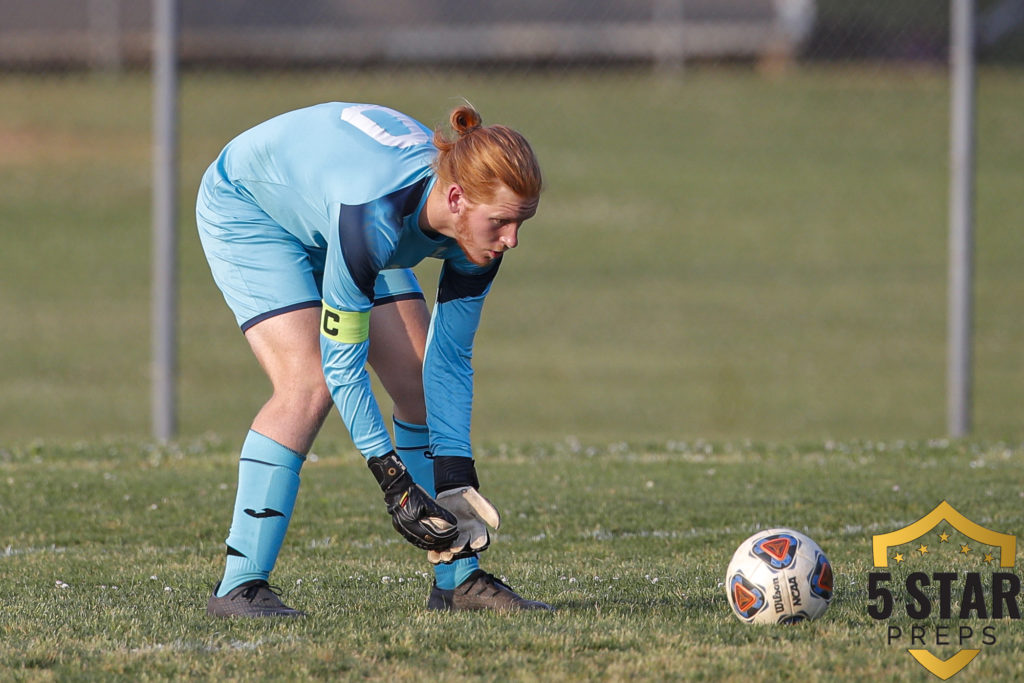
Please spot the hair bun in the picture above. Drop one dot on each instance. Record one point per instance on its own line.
(465, 119)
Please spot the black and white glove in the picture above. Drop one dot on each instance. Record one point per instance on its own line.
(414, 514)
(457, 490)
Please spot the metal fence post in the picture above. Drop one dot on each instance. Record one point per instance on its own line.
(164, 248)
(961, 209)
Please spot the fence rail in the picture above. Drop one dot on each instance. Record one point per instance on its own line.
(116, 32)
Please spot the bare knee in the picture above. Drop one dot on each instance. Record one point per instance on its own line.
(304, 398)
(294, 414)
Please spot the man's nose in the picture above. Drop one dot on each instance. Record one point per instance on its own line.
(511, 237)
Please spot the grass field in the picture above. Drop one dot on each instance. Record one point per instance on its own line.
(108, 551)
(716, 257)
(728, 314)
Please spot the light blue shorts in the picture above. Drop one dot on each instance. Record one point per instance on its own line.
(262, 269)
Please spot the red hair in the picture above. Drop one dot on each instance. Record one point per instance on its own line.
(481, 158)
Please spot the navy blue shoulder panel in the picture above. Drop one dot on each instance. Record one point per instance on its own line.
(353, 224)
(456, 285)
(408, 198)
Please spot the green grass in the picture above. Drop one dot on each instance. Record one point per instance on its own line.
(108, 550)
(722, 256)
(729, 314)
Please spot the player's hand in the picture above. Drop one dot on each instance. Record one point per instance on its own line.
(474, 513)
(458, 487)
(414, 514)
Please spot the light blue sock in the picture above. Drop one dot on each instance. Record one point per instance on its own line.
(412, 443)
(268, 482)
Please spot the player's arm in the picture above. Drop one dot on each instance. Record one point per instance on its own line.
(448, 390)
(350, 269)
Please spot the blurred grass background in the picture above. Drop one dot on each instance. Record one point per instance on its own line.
(720, 255)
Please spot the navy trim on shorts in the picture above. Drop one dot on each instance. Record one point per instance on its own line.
(278, 311)
(405, 296)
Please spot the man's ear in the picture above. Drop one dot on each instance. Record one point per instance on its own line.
(455, 197)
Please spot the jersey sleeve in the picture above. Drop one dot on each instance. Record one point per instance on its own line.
(349, 383)
(356, 252)
(447, 365)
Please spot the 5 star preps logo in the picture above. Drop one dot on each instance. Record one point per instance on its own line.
(944, 580)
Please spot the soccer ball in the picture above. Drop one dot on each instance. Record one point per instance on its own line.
(778, 576)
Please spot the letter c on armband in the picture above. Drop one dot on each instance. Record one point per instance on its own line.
(347, 327)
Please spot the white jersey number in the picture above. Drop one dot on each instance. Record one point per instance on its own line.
(356, 115)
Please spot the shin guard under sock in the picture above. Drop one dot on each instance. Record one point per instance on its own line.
(268, 483)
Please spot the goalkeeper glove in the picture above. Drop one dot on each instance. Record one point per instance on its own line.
(414, 514)
(457, 485)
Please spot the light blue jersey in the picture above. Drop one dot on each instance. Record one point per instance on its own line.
(321, 207)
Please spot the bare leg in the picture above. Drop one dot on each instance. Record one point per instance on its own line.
(288, 348)
(398, 336)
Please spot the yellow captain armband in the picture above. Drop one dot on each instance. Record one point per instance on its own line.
(347, 327)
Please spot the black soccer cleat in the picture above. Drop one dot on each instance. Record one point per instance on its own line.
(481, 591)
(255, 598)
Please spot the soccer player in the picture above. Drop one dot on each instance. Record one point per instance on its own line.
(311, 222)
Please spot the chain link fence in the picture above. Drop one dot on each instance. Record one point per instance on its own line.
(115, 34)
(744, 231)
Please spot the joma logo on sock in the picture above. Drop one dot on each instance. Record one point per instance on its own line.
(266, 512)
